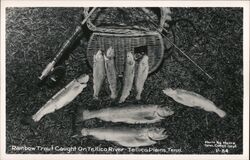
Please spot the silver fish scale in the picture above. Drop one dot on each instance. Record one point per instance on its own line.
(123, 43)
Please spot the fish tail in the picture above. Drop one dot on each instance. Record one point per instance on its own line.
(138, 96)
(86, 114)
(46, 109)
(122, 99)
(95, 97)
(96, 91)
(221, 113)
(113, 95)
(125, 92)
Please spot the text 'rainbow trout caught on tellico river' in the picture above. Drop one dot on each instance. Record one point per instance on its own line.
(111, 71)
(98, 73)
(129, 114)
(125, 136)
(63, 97)
(128, 76)
(192, 99)
(141, 76)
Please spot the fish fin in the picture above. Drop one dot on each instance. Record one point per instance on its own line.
(105, 57)
(126, 143)
(158, 139)
(85, 114)
(140, 138)
(96, 138)
(119, 143)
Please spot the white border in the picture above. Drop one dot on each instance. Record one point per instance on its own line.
(113, 3)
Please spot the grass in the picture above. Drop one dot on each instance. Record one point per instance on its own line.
(33, 35)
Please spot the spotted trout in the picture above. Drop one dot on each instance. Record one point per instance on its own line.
(126, 136)
(111, 71)
(141, 76)
(128, 77)
(129, 114)
(98, 73)
(192, 99)
(63, 97)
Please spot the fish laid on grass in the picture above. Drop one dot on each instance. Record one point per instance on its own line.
(128, 77)
(125, 136)
(142, 75)
(129, 114)
(63, 97)
(111, 72)
(192, 99)
(98, 73)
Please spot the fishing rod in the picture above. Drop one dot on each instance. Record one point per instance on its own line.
(66, 47)
(152, 21)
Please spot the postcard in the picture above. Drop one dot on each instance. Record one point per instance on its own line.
(124, 80)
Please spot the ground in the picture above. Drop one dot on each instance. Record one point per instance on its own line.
(33, 35)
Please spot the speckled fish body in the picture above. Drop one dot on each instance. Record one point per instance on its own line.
(142, 75)
(98, 73)
(111, 72)
(132, 114)
(127, 137)
(128, 77)
(192, 99)
(63, 97)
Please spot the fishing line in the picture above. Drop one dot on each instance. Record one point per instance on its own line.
(157, 29)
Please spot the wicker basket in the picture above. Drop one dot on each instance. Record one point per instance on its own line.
(123, 43)
(125, 39)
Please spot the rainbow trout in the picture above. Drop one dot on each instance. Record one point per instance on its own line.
(98, 73)
(126, 136)
(111, 72)
(128, 77)
(129, 114)
(141, 76)
(63, 97)
(192, 99)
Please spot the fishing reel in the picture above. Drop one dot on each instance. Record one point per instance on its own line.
(57, 75)
(54, 77)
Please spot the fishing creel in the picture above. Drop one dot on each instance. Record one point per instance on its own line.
(110, 30)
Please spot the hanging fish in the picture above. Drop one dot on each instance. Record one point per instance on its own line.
(128, 77)
(192, 99)
(129, 114)
(142, 75)
(98, 73)
(125, 136)
(111, 72)
(63, 97)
